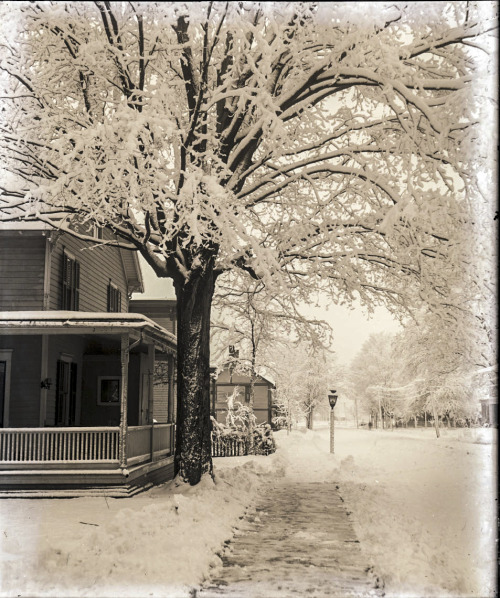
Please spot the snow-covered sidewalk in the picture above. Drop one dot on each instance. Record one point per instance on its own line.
(424, 511)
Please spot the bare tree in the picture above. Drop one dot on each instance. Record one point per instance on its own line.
(315, 146)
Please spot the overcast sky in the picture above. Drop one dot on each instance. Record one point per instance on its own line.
(350, 327)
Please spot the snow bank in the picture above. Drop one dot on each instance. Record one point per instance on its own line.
(159, 543)
(423, 508)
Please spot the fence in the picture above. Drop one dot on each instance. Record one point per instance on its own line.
(229, 446)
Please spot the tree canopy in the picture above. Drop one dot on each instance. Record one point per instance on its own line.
(311, 146)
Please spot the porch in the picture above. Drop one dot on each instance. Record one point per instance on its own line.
(105, 404)
(92, 459)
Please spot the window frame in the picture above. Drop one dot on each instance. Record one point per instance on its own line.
(114, 297)
(100, 380)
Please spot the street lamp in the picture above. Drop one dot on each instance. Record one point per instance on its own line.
(332, 398)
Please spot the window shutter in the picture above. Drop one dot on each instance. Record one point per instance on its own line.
(60, 386)
(76, 287)
(64, 295)
(70, 298)
(72, 396)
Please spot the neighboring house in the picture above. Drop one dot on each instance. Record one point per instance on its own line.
(228, 381)
(86, 387)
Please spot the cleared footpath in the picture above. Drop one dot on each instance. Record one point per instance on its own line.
(299, 541)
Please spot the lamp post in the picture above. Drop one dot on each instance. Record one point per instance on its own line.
(332, 398)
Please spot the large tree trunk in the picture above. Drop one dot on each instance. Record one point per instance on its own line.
(193, 453)
(309, 418)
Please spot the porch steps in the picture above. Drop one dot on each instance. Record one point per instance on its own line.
(78, 483)
(109, 491)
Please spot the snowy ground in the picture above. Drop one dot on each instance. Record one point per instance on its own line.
(424, 510)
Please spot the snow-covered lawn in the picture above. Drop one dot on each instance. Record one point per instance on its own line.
(424, 510)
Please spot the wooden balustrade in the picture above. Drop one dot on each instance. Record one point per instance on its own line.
(83, 445)
(141, 446)
(59, 444)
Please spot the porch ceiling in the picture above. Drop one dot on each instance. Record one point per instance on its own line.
(71, 322)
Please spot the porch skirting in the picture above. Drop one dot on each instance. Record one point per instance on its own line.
(69, 483)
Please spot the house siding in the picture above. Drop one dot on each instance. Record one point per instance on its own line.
(226, 384)
(22, 259)
(98, 266)
(161, 311)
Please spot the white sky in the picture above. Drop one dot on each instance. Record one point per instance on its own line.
(351, 328)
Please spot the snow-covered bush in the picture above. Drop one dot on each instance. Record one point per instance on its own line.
(263, 440)
(239, 416)
(227, 435)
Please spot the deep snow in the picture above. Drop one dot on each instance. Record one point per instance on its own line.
(424, 509)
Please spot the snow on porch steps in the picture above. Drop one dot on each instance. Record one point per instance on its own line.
(298, 541)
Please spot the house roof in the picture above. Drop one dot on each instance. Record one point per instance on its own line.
(77, 322)
(133, 270)
(265, 377)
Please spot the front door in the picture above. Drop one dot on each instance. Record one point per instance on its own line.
(65, 393)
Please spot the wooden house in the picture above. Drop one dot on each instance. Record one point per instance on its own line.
(86, 385)
(227, 382)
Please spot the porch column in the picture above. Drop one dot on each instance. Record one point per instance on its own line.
(123, 399)
(171, 397)
(151, 374)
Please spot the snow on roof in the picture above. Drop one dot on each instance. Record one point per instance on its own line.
(76, 319)
(25, 225)
(259, 373)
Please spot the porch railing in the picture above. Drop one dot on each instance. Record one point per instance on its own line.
(59, 444)
(84, 445)
(149, 442)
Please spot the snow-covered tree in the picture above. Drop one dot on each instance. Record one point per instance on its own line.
(372, 373)
(303, 373)
(316, 146)
(440, 360)
(257, 322)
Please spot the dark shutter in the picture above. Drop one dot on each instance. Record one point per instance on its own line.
(76, 286)
(65, 285)
(72, 395)
(60, 391)
(70, 299)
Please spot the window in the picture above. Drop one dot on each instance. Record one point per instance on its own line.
(108, 390)
(114, 298)
(98, 232)
(70, 283)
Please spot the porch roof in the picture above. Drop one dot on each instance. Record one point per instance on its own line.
(77, 322)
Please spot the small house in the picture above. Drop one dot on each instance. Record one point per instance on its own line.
(227, 382)
(87, 386)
